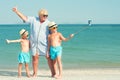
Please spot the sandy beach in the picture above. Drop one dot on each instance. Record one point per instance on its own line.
(78, 74)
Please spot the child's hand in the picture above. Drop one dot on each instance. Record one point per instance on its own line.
(7, 41)
(71, 35)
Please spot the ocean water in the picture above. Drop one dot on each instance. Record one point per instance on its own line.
(95, 47)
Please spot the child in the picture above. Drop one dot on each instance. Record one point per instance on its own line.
(24, 56)
(54, 47)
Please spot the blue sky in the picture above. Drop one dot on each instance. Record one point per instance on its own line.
(63, 11)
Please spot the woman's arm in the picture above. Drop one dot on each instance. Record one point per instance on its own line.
(23, 17)
(48, 49)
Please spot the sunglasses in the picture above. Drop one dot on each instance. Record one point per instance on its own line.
(45, 15)
(23, 35)
(53, 28)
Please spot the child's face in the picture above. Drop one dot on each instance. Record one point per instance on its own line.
(24, 36)
(53, 29)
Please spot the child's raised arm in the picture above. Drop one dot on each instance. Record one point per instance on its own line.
(66, 39)
(13, 41)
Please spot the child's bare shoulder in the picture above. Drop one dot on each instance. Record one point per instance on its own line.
(24, 40)
(19, 39)
(49, 35)
(59, 33)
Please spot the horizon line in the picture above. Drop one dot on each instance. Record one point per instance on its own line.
(64, 23)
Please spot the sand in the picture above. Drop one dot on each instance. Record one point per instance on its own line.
(70, 74)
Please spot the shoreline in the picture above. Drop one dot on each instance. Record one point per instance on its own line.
(68, 74)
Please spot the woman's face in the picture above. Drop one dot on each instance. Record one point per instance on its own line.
(43, 17)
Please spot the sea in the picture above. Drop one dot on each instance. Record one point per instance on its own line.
(95, 46)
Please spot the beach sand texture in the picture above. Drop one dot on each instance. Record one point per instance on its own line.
(78, 74)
